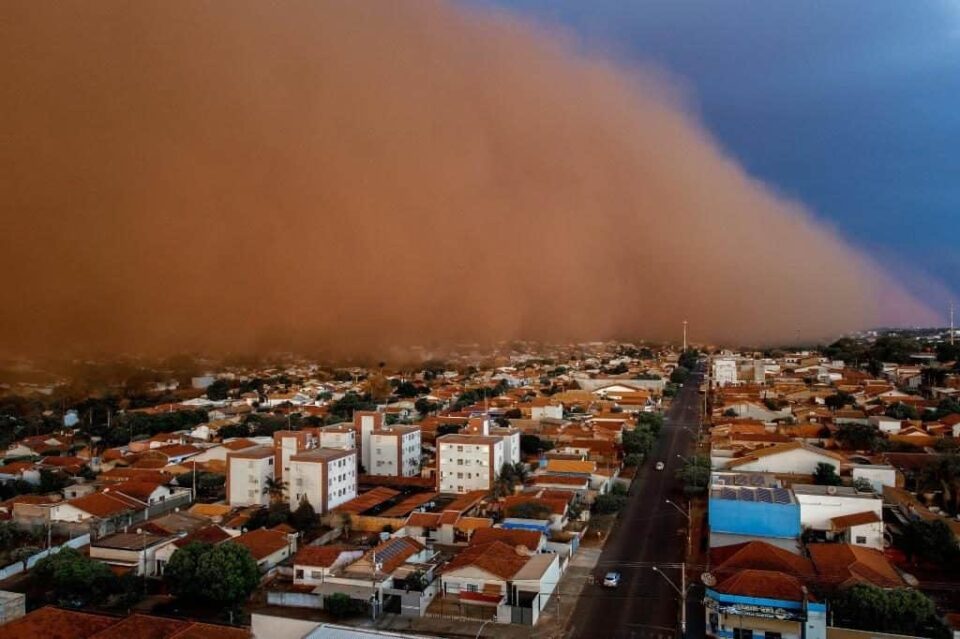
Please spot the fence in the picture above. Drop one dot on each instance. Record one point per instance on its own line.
(18, 567)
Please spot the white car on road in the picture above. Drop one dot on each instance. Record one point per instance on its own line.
(611, 580)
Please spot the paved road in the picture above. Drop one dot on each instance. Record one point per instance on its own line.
(648, 531)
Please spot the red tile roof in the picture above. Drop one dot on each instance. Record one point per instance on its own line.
(140, 490)
(845, 564)
(528, 538)
(496, 558)
(210, 631)
(53, 623)
(141, 627)
(367, 500)
(319, 556)
(767, 584)
(844, 522)
(206, 535)
(262, 542)
(759, 555)
(104, 505)
(424, 520)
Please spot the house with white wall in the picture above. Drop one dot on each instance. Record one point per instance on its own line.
(842, 513)
(795, 458)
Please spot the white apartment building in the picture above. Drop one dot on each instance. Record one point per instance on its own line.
(286, 444)
(247, 475)
(364, 424)
(724, 371)
(340, 436)
(395, 451)
(325, 477)
(511, 443)
(468, 462)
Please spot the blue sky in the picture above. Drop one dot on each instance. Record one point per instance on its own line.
(852, 107)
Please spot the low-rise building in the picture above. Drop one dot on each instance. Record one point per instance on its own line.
(468, 462)
(323, 477)
(395, 451)
(248, 476)
(842, 513)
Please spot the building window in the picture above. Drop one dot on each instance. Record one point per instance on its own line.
(772, 635)
(473, 588)
(861, 540)
(742, 633)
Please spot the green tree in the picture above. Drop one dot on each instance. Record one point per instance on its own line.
(634, 459)
(533, 445)
(651, 421)
(274, 487)
(304, 518)
(901, 610)
(695, 474)
(180, 573)
(218, 390)
(826, 475)
(340, 605)
(76, 580)
(609, 504)
(902, 411)
(679, 375)
(424, 406)
(930, 541)
(407, 389)
(225, 574)
(638, 441)
(858, 436)
(228, 574)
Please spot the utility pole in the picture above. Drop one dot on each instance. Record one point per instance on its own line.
(684, 336)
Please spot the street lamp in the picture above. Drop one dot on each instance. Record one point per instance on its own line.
(682, 592)
(679, 510)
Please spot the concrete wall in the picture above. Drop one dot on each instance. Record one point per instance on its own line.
(754, 518)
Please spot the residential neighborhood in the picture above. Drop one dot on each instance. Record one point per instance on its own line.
(498, 490)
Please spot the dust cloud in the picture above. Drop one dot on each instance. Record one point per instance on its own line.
(337, 174)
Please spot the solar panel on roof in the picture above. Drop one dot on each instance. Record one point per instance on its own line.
(747, 495)
(781, 495)
(728, 493)
(765, 495)
(757, 480)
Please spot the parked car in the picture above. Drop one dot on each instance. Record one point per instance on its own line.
(611, 580)
(659, 466)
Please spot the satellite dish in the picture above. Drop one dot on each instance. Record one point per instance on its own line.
(831, 490)
(708, 579)
(780, 614)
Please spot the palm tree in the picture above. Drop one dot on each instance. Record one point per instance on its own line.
(275, 488)
(521, 472)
